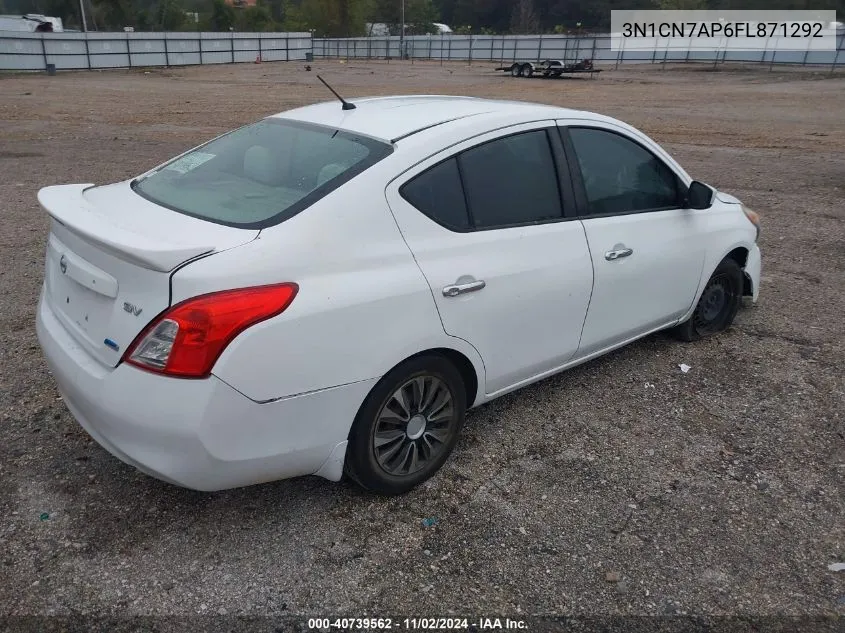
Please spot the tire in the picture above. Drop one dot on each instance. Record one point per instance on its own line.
(416, 437)
(516, 70)
(718, 305)
(527, 71)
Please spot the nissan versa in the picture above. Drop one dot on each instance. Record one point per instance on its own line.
(328, 290)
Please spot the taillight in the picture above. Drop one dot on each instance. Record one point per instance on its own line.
(187, 339)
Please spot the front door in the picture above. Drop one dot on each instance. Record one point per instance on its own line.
(647, 256)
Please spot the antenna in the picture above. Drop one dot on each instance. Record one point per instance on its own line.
(346, 104)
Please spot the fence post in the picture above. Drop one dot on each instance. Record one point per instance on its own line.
(441, 48)
(87, 52)
(199, 44)
(260, 49)
(540, 48)
(593, 54)
(774, 52)
(836, 54)
(232, 44)
(44, 51)
(166, 52)
(128, 50)
(807, 52)
(620, 52)
(470, 49)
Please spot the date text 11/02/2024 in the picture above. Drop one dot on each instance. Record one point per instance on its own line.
(415, 624)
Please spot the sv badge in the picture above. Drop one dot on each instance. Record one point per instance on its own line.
(131, 308)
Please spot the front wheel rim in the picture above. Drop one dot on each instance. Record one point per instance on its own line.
(414, 426)
(713, 311)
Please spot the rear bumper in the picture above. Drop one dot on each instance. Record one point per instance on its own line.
(200, 434)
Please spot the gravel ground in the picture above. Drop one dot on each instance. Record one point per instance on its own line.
(621, 487)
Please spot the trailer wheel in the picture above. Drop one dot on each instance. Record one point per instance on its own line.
(527, 70)
(516, 70)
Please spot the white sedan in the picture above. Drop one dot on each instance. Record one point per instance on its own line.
(328, 290)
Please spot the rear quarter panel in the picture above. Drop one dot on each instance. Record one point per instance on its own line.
(363, 305)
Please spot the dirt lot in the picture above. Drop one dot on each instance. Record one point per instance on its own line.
(719, 491)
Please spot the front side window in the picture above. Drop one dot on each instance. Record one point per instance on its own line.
(621, 176)
(260, 174)
(510, 181)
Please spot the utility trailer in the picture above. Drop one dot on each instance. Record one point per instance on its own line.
(550, 68)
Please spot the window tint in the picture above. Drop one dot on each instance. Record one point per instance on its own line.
(438, 193)
(260, 174)
(621, 176)
(511, 181)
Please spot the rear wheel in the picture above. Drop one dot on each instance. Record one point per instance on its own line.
(527, 70)
(718, 304)
(516, 70)
(407, 426)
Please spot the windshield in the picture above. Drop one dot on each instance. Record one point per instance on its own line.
(260, 174)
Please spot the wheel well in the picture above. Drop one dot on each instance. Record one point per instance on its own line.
(740, 256)
(464, 367)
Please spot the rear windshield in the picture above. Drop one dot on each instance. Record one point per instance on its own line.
(260, 174)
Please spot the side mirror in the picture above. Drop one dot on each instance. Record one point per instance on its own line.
(699, 196)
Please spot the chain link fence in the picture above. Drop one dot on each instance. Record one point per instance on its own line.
(79, 51)
(506, 49)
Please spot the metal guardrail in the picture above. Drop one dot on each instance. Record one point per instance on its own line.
(97, 50)
(503, 49)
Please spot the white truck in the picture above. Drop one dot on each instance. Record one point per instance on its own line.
(32, 23)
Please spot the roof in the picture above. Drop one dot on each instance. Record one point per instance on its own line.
(393, 118)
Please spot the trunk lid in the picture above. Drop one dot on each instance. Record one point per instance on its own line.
(110, 254)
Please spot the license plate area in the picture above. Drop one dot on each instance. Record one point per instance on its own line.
(86, 311)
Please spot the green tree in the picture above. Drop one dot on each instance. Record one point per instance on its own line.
(255, 19)
(419, 16)
(222, 16)
(170, 16)
(331, 18)
(143, 20)
(524, 18)
(682, 5)
(116, 14)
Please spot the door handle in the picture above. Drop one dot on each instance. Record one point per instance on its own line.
(463, 287)
(618, 253)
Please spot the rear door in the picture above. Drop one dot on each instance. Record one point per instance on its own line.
(492, 226)
(647, 248)
(110, 254)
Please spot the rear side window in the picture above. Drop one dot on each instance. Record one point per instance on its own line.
(260, 174)
(438, 193)
(510, 181)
